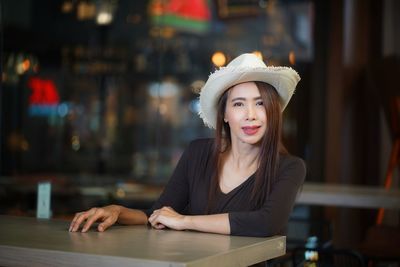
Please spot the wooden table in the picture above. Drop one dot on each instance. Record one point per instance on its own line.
(31, 242)
(350, 196)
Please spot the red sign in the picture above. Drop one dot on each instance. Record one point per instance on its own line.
(190, 9)
(44, 92)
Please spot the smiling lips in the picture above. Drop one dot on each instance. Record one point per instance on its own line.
(250, 130)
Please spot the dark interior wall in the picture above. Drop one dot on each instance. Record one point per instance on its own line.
(352, 118)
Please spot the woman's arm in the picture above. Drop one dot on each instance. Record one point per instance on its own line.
(269, 220)
(131, 216)
(175, 194)
(167, 217)
(108, 215)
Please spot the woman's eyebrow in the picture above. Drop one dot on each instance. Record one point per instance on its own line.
(243, 98)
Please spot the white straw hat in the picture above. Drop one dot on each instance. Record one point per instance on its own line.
(244, 68)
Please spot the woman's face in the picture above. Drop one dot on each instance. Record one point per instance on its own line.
(245, 113)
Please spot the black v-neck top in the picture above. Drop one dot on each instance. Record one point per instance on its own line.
(187, 193)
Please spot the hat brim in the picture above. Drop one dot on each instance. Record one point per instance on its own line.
(283, 79)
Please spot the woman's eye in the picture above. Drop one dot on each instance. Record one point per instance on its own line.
(237, 104)
(260, 103)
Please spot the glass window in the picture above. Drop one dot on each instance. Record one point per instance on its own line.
(107, 91)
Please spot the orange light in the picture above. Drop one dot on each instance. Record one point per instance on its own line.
(86, 11)
(258, 54)
(292, 58)
(218, 59)
(156, 8)
(67, 7)
(26, 65)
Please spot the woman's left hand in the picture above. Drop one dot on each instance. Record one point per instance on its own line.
(167, 217)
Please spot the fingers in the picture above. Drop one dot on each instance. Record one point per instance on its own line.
(165, 210)
(98, 213)
(163, 218)
(153, 220)
(153, 217)
(78, 219)
(104, 225)
(81, 217)
(157, 213)
(159, 226)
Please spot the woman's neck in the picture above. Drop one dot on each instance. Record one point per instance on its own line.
(243, 155)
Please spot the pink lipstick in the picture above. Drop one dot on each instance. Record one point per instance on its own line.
(250, 130)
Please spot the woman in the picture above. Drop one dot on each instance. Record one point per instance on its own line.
(242, 182)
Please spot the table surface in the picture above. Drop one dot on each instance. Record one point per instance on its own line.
(352, 196)
(48, 243)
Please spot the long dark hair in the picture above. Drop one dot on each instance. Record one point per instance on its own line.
(271, 146)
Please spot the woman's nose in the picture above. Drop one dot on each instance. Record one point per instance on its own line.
(251, 114)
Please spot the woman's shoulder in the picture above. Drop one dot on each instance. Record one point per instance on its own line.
(289, 159)
(291, 164)
(199, 152)
(199, 148)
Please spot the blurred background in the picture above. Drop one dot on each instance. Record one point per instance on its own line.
(100, 97)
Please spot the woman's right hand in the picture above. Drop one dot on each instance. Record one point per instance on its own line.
(108, 215)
